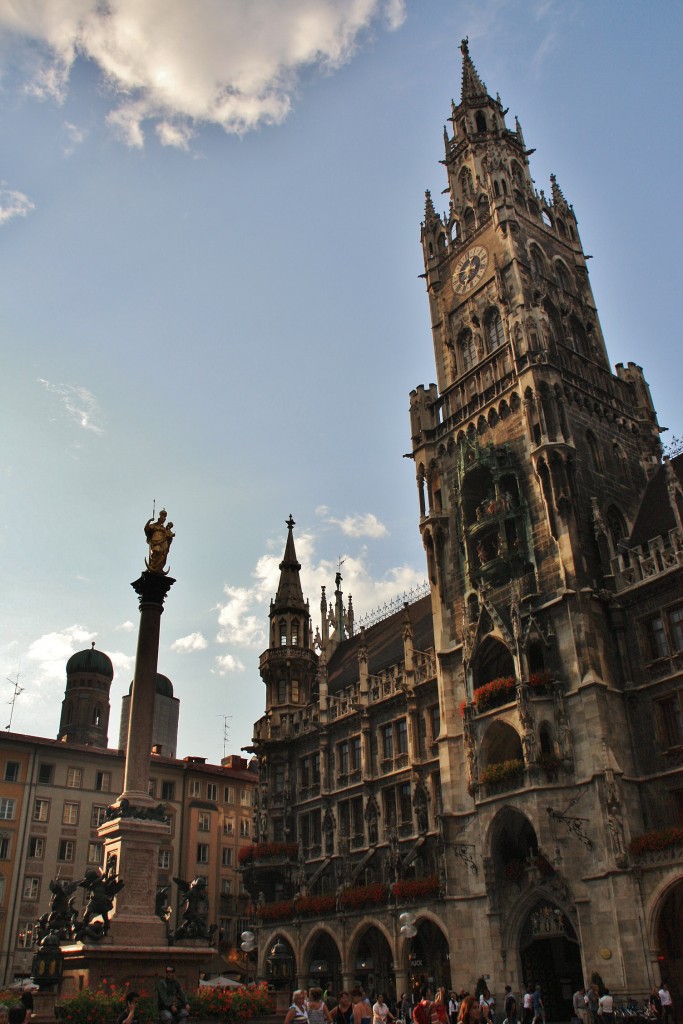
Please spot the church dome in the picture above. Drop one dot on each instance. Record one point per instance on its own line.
(90, 661)
(164, 686)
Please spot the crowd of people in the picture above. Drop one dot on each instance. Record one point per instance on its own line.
(592, 1005)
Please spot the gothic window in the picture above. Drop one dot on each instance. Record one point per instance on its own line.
(656, 636)
(496, 189)
(469, 219)
(562, 276)
(616, 526)
(295, 691)
(517, 174)
(467, 349)
(481, 121)
(593, 452)
(494, 330)
(561, 228)
(465, 180)
(283, 633)
(295, 632)
(545, 741)
(577, 336)
(545, 217)
(537, 260)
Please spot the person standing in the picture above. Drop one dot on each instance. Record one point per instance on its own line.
(381, 1012)
(343, 1011)
(297, 1013)
(606, 1007)
(453, 1007)
(439, 1011)
(422, 1012)
(667, 1003)
(538, 1007)
(579, 1005)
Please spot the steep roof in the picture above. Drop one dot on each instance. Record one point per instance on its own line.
(655, 516)
(384, 643)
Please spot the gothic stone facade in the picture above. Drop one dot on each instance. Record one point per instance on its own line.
(501, 758)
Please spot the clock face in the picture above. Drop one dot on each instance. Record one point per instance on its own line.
(470, 269)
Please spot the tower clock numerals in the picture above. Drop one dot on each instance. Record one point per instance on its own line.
(470, 269)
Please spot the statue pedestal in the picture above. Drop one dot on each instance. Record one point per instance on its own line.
(95, 966)
(134, 842)
(44, 1006)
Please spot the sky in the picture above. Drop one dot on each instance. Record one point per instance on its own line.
(210, 298)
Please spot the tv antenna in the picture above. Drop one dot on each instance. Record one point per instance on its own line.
(16, 691)
(226, 731)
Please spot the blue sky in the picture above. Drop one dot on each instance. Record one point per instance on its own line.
(209, 296)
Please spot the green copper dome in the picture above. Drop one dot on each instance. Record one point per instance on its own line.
(164, 686)
(90, 661)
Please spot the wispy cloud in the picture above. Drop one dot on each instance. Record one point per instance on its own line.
(80, 404)
(75, 137)
(226, 663)
(359, 525)
(191, 642)
(13, 204)
(236, 66)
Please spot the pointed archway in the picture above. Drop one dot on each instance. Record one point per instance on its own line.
(551, 957)
(429, 961)
(322, 962)
(372, 963)
(670, 939)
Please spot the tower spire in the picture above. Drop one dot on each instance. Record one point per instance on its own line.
(472, 85)
(289, 593)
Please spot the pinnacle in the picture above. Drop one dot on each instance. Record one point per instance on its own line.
(472, 85)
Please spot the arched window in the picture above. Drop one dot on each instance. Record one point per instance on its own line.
(468, 219)
(496, 189)
(563, 276)
(283, 632)
(494, 330)
(616, 525)
(517, 174)
(295, 632)
(467, 349)
(593, 452)
(577, 337)
(537, 260)
(481, 121)
(97, 715)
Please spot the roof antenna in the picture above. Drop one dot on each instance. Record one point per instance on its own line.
(226, 732)
(17, 690)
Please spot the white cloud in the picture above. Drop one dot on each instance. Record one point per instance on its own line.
(123, 664)
(236, 619)
(234, 64)
(191, 642)
(125, 627)
(367, 525)
(75, 137)
(51, 651)
(228, 663)
(13, 204)
(80, 404)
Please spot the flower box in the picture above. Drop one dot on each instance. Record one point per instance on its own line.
(657, 839)
(416, 889)
(268, 851)
(364, 896)
(492, 695)
(501, 772)
(540, 681)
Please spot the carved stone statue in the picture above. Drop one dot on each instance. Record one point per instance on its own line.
(159, 538)
(196, 911)
(101, 889)
(60, 920)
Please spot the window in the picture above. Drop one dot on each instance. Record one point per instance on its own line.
(97, 815)
(295, 632)
(202, 853)
(67, 849)
(168, 790)
(245, 797)
(226, 886)
(195, 787)
(97, 715)
(404, 802)
(152, 788)
(356, 757)
(46, 774)
(305, 772)
(467, 349)
(164, 860)
(244, 827)
(494, 330)
(41, 810)
(537, 261)
(657, 640)
(211, 791)
(25, 935)
(31, 888)
(204, 821)
(228, 794)
(295, 691)
(670, 725)
(282, 691)
(103, 782)
(344, 758)
(12, 771)
(315, 765)
(435, 720)
(676, 623)
(36, 848)
(283, 633)
(7, 808)
(74, 778)
(4, 847)
(402, 736)
(228, 826)
(2, 889)
(279, 778)
(70, 814)
(95, 853)
(593, 452)
(388, 741)
(226, 857)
